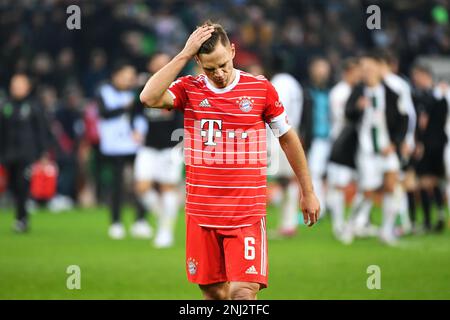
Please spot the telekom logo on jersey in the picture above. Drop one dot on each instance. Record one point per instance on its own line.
(217, 146)
(208, 143)
(211, 133)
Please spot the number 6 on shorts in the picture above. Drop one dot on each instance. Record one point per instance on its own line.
(249, 248)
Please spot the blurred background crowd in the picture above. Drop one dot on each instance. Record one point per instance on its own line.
(34, 36)
(66, 67)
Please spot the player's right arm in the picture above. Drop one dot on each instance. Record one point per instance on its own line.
(155, 92)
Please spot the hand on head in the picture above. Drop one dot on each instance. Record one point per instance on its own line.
(196, 39)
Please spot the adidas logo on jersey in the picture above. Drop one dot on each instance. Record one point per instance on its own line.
(204, 103)
(251, 270)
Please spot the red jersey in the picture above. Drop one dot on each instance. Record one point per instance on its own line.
(225, 147)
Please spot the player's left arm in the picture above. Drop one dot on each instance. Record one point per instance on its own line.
(292, 147)
(275, 116)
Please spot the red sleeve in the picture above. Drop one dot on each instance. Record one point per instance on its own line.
(274, 107)
(178, 92)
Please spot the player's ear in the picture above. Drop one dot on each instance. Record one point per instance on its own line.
(233, 51)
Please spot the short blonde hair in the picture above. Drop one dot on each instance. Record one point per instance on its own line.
(219, 34)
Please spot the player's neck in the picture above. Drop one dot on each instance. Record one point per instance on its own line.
(229, 82)
(233, 76)
(234, 80)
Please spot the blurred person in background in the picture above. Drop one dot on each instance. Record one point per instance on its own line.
(341, 170)
(118, 141)
(158, 165)
(96, 73)
(405, 189)
(68, 130)
(382, 127)
(23, 140)
(255, 69)
(316, 124)
(48, 99)
(431, 142)
(42, 69)
(290, 93)
(91, 158)
(66, 71)
(442, 91)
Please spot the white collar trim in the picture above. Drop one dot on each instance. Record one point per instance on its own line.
(227, 88)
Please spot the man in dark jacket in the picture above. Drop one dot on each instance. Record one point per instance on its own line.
(23, 140)
(431, 141)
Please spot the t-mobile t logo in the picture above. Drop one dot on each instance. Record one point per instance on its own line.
(210, 133)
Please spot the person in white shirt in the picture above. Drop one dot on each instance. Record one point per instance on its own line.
(404, 190)
(118, 140)
(339, 176)
(382, 128)
(158, 164)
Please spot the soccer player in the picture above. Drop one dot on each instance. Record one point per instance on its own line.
(388, 66)
(405, 190)
(382, 127)
(157, 162)
(340, 175)
(225, 112)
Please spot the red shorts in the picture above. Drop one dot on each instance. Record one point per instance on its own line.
(219, 255)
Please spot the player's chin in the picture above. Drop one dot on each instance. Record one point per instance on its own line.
(220, 83)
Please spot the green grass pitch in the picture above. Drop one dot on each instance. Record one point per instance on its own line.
(311, 265)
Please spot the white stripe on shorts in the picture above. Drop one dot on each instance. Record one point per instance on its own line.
(263, 247)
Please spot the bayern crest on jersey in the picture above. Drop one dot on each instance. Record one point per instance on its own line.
(245, 104)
